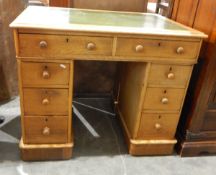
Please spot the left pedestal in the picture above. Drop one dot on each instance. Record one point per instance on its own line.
(46, 109)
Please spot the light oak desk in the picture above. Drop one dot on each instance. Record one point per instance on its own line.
(157, 57)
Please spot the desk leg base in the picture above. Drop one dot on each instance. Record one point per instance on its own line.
(197, 148)
(34, 152)
(151, 147)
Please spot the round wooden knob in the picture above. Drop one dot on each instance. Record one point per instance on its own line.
(90, 46)
(139, 48)
(45, 101)
(46, 131)
(46, 74)
(180, 50)
(43, 44)
(157, 126)
(170, 75)
(164, 100)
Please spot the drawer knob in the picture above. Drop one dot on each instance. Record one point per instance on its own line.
(46, 131)
(45, 101)
(157, 126)
(164, 100)
(46, 74)
(180, 50)
(90, 46)
(43, 44)
(139, 48)
(170, 75)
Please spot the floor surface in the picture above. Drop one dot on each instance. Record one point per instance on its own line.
(99, 148)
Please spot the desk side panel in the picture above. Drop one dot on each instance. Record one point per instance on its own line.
(132, 85)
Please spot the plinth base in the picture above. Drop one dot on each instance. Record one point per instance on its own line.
(151, 147)
(32, 152)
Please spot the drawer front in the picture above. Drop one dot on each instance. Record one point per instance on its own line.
(45, 129)
(157, 48)
(157, 126)
(163, 99)
(45, 73)
(45, 101)
(63, 46)
(169, 75)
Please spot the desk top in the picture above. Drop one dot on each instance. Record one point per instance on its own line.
(70, 19)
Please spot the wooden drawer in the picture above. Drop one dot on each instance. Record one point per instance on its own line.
(45, 129)
(157, 48)
(163, 99)
(63, 46)
(45, 73)
(39, 101)
(158, 126)
(169, 75)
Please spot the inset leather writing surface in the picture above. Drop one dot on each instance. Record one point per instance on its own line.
(100, 21)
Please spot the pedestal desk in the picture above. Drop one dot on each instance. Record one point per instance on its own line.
(156, 56)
